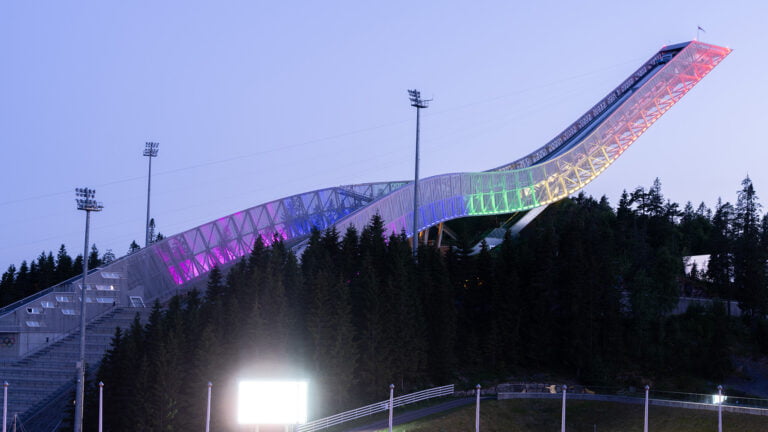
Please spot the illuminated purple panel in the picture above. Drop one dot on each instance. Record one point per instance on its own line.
(309, 201)
(191, 238)
(164, 255)
(231, 228)
(198, 245)
(222, 225)
(188, 269)
(247, 243)
(282, 231)
(260, 218)
(177, 279)
(235, 248)
(242, 222)
(210, 236)
(205, 262)
(272, 210)
(177, 247)
(222, 255)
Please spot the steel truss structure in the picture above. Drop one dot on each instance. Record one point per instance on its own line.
(554, 171)
(564, 165)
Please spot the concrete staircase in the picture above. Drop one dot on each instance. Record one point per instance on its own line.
(43, 380)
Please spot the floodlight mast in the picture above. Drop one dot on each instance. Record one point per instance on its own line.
(150, 151)
(85, 201)
(418, 103)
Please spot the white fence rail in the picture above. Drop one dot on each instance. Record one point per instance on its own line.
(375, 408)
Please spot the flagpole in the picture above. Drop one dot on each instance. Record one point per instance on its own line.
(698, 32)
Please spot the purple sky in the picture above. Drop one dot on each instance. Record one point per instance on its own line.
(252, 101)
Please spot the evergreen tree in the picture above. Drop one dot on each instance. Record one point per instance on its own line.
(64, 265)
(749, 257)
(720, 266)
(133, 247)
(108, 257)
(334, 351)
(696, 229)
(23, 281)
(151, 230)
(508, 301)
(93, 258)
(8, 286)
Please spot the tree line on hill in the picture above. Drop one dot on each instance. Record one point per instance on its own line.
(584, 290)
(44, 272)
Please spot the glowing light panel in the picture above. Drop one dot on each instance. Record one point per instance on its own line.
(272, 402)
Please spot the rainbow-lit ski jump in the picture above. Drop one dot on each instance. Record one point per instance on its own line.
(559, 168)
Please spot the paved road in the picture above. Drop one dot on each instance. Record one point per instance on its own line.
(410, 416)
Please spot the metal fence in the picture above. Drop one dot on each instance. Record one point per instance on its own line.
(657, 397)
(375, 408)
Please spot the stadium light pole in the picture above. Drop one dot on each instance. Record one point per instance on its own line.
(645, 423)
(150, 151)
(719, 408)
(562, 424)
(391, 404)
(208, 409)
(477, 409)
(5, 404)
(85, 201)
(418, 103)
(101, 406)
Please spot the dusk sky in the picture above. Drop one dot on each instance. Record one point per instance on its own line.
(253, 101)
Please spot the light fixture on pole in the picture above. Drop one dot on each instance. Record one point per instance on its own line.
(418, 103)
(391, 404)
(101, 406)
(85, 201)
(562, 424)
(208, 409)
(5, 404)
(477, 409)
(645, 423)
(150, 151)
(720, 408)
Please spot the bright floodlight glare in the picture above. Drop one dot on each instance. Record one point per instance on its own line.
(718, 399)
(272, 402)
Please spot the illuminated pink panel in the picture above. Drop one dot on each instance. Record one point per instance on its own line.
(281, 231)
(242, 222)
(221, 232)
(177, 279)
(177, 247)
(235, 248)
(272, 209)
(261, 217)
(163, 254)
(210, 236)
(221, 255)
(188, 269)
(231, 229)
(247, 243)
(205, 262)
(267, 237)
(189, 237)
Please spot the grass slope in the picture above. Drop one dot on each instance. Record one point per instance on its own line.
(583, 416)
